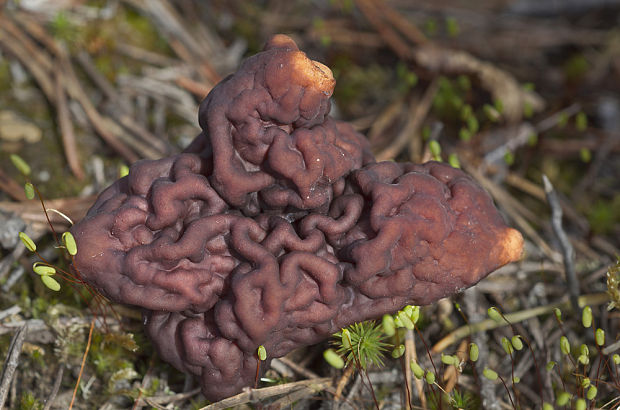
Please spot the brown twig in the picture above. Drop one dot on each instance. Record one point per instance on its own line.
(10, 364)
(343, 380)
(254, 395)
(55, 388)
(197, 88)
(411, 32)
(99, 122)
(152, 147)
(145, 56)
(167, 399)
(11, 187)
(416, 115)
(387, 33)
(602, 153)
(297, 368)
(412, 354)
(33, 59)
(66, 129)
(568, 254)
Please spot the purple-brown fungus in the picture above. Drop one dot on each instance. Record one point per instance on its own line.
(277, 227)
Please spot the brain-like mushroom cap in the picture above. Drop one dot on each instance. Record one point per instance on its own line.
(293, 254)
(273, 144)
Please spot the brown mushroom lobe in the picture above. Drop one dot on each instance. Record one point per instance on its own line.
(277, 227)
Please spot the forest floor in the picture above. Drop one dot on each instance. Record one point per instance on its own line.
(515, 92)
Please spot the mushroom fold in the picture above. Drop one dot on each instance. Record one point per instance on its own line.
(277, 227)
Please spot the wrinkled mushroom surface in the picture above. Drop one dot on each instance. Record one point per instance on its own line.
(276, 227)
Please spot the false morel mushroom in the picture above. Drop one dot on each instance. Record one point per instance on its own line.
(276, 228)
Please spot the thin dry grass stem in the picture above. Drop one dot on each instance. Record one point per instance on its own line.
(415, 117)
(197, 88)
(568, 253)
(344, 36)
(11, 362)
(381, 122)
(58, 380)
(411, 32)
(66, 129)
(418, 383)
(342, 381)
(256, 395)
(77, 383)
(34, 59)
(145, 56)
(11, 187)
(148, 145)
(411, 354)
(385, 30)
(297, 368)
(161, 401)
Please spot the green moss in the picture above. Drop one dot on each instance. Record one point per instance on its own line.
(108, 355)
(5, 341)
(576, 67)
(450, 97)
(63, 28)
(142, 32)
(29, 402)
(358, 87)
(5, 75)
(245, 26)
(603, 215)
(39, 307)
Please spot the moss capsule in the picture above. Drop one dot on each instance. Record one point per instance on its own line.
(474, 352)
(262, 352)
(600, 337)
(389, 328)
(50, 283)
(70, 244)
(29, 190)
(21, 165)
(516, 342)
(333, 359)
(417, 370)
(494, 314)
(27, 242)
(586, 316)
(489, 374)
(43, 270)
(564, 345)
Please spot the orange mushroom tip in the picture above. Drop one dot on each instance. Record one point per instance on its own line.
(276, 228)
